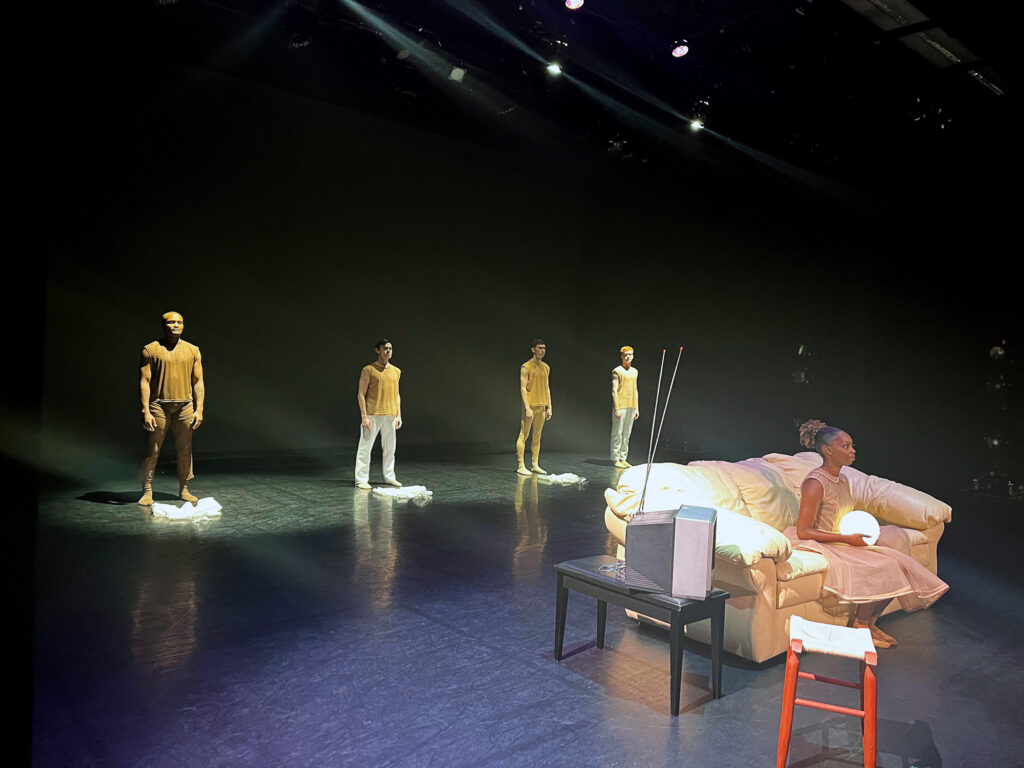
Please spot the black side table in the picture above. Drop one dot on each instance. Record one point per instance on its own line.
(584, 575)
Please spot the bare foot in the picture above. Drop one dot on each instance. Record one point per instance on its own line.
(877, 639)
(147, 497)
(186, 495)
(883, 637)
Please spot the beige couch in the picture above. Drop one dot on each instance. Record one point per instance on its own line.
(757, 499)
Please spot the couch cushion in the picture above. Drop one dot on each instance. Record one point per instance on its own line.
(802, 562)
(765, 492)
(800, 578)
(806, 589)
(917, 537)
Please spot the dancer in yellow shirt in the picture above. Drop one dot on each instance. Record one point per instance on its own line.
(535, 397)
(625, 407)
(380, 406)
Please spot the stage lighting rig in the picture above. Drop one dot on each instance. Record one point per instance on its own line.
(1002, 418)
(701, 110)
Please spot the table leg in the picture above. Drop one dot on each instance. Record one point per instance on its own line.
(561, 604)
(717, 635)
(602, 617)
(676, 663)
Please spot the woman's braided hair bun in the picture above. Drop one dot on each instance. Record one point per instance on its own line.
(809, 431)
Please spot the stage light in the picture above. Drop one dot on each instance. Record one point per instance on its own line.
(680, 50)
(457, 74)
(696, 125)
(573, 5)
(554, 69)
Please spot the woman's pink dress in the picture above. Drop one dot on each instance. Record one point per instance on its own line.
(867, 574)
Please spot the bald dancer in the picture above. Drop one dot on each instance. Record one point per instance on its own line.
(171, 377)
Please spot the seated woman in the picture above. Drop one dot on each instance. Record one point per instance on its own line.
(864, 577)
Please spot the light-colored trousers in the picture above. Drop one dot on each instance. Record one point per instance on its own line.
(621, 430)
(540, 413)
(384, 426)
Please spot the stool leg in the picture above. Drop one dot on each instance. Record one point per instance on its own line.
(602, 618)
(869, 686)
(788, 699)
(561, 604)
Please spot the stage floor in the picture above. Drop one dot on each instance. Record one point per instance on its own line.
(316, 624)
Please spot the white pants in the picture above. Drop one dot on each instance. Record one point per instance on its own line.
(621, 430)
(385, 426)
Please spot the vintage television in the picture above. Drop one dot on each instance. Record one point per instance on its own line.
(672, 551)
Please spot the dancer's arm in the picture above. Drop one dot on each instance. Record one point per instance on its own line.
(524, 381)
(615, 395)
(145, 376)
(364, 383)
(198, 390)
(547, 384)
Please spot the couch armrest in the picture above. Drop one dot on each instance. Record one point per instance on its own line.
(896, 503)
(616, 525)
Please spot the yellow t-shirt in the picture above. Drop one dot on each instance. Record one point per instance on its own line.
(627, 387)
(537, 382)
(382, 390)
(170, 370)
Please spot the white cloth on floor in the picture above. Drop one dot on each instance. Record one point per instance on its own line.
(405, 493)
(202, 510)
(566, 478)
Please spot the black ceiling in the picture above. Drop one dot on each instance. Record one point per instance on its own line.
(812, 84)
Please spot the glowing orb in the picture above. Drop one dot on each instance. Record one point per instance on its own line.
(858, 521)
(680, 50)
(572, 5)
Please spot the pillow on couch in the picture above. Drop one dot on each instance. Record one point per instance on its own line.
(744, 541)
(673, 485)
(794, 468)
(766, 492)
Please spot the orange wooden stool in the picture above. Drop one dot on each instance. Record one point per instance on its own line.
(849, 642)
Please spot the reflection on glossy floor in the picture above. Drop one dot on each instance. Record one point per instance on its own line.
(315, 624)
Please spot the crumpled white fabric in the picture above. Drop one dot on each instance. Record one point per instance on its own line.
(418, 494)
(565, 478)
(203, 510)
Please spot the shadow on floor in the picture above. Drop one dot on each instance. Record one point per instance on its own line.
(122, 497)
(840, 743)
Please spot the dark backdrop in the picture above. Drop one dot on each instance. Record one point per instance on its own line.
(291, 234)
